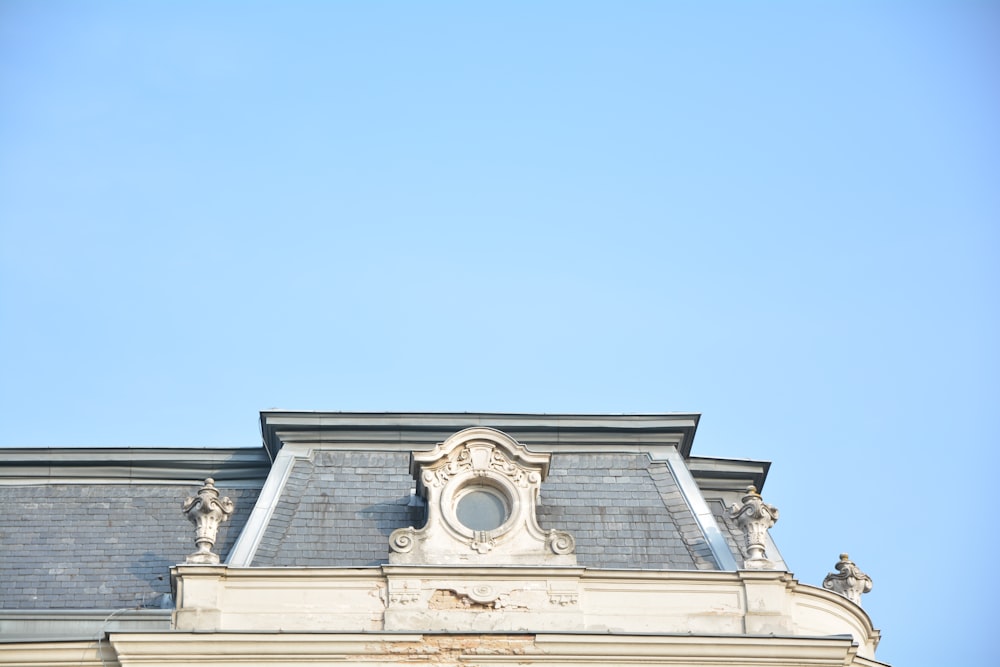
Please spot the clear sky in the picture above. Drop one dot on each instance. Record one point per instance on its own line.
(785, 216)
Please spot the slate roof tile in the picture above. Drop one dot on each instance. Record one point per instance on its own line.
(112, 547)
(623, 511)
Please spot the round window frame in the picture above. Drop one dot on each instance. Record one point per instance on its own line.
(459, 488)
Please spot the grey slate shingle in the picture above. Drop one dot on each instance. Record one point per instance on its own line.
(98, 546)
(682, 517)
(615, 508)
(114, 543)
(625, 512)
(339, 509)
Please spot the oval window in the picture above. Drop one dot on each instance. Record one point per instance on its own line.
(482, 508)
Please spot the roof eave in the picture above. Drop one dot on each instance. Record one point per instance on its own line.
(426, 429)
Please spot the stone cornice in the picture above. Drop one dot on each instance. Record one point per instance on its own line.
(78, 624)
(403, 431)
(728, 475)
(505, 649)
(235, 467)
(89, 653)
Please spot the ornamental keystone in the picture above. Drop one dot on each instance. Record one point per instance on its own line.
(850, 581)
(755, 516)
(206, 511)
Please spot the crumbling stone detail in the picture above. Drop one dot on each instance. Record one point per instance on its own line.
(849, 581)
(206, 511)
(453, 600)
(453, 649)
(754, 517)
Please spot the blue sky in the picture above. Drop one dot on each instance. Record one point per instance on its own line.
(781, 215)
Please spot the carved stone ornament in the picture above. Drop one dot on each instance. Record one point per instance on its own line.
(481, 489)
(206, 511)
(849, 581)
(754, 517)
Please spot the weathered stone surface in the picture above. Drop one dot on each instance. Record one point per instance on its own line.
(755, 516)
(849, 581)
(501, 599)
(206, 510)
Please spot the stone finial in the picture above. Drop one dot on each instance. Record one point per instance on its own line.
(850, 581)
(206, 511)
(755, 516)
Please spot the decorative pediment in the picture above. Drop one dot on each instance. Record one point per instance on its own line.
(481, 488)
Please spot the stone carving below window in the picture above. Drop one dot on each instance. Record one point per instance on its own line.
(481, 488)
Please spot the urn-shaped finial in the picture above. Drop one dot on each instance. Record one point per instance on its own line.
(206, 511)
(755, 516)
(849, 581)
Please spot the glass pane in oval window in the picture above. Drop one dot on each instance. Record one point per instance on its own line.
(481, 510)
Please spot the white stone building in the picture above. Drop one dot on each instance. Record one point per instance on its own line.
(387, 539)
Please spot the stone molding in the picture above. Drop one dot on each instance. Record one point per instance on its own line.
(169, 649)
(493, 465)
(88, 653)
(80, 623)
(551, 649)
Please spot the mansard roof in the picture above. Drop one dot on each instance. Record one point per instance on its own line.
(99, 528)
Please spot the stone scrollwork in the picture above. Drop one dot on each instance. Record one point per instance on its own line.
(754, 517)
(401, 540)
(503, 465)
(206, 511)
(849, 581)
(458, 462)
(561, 542)
(475, 461)
(481, 489)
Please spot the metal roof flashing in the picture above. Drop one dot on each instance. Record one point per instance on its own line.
(399, 431)
(244, 466)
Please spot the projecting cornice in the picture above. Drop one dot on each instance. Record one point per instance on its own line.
(233, 468)
(404, 431)
(729, 475)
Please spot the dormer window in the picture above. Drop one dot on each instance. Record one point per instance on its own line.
(481, 488)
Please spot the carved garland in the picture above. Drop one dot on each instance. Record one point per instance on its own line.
(460, 461)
